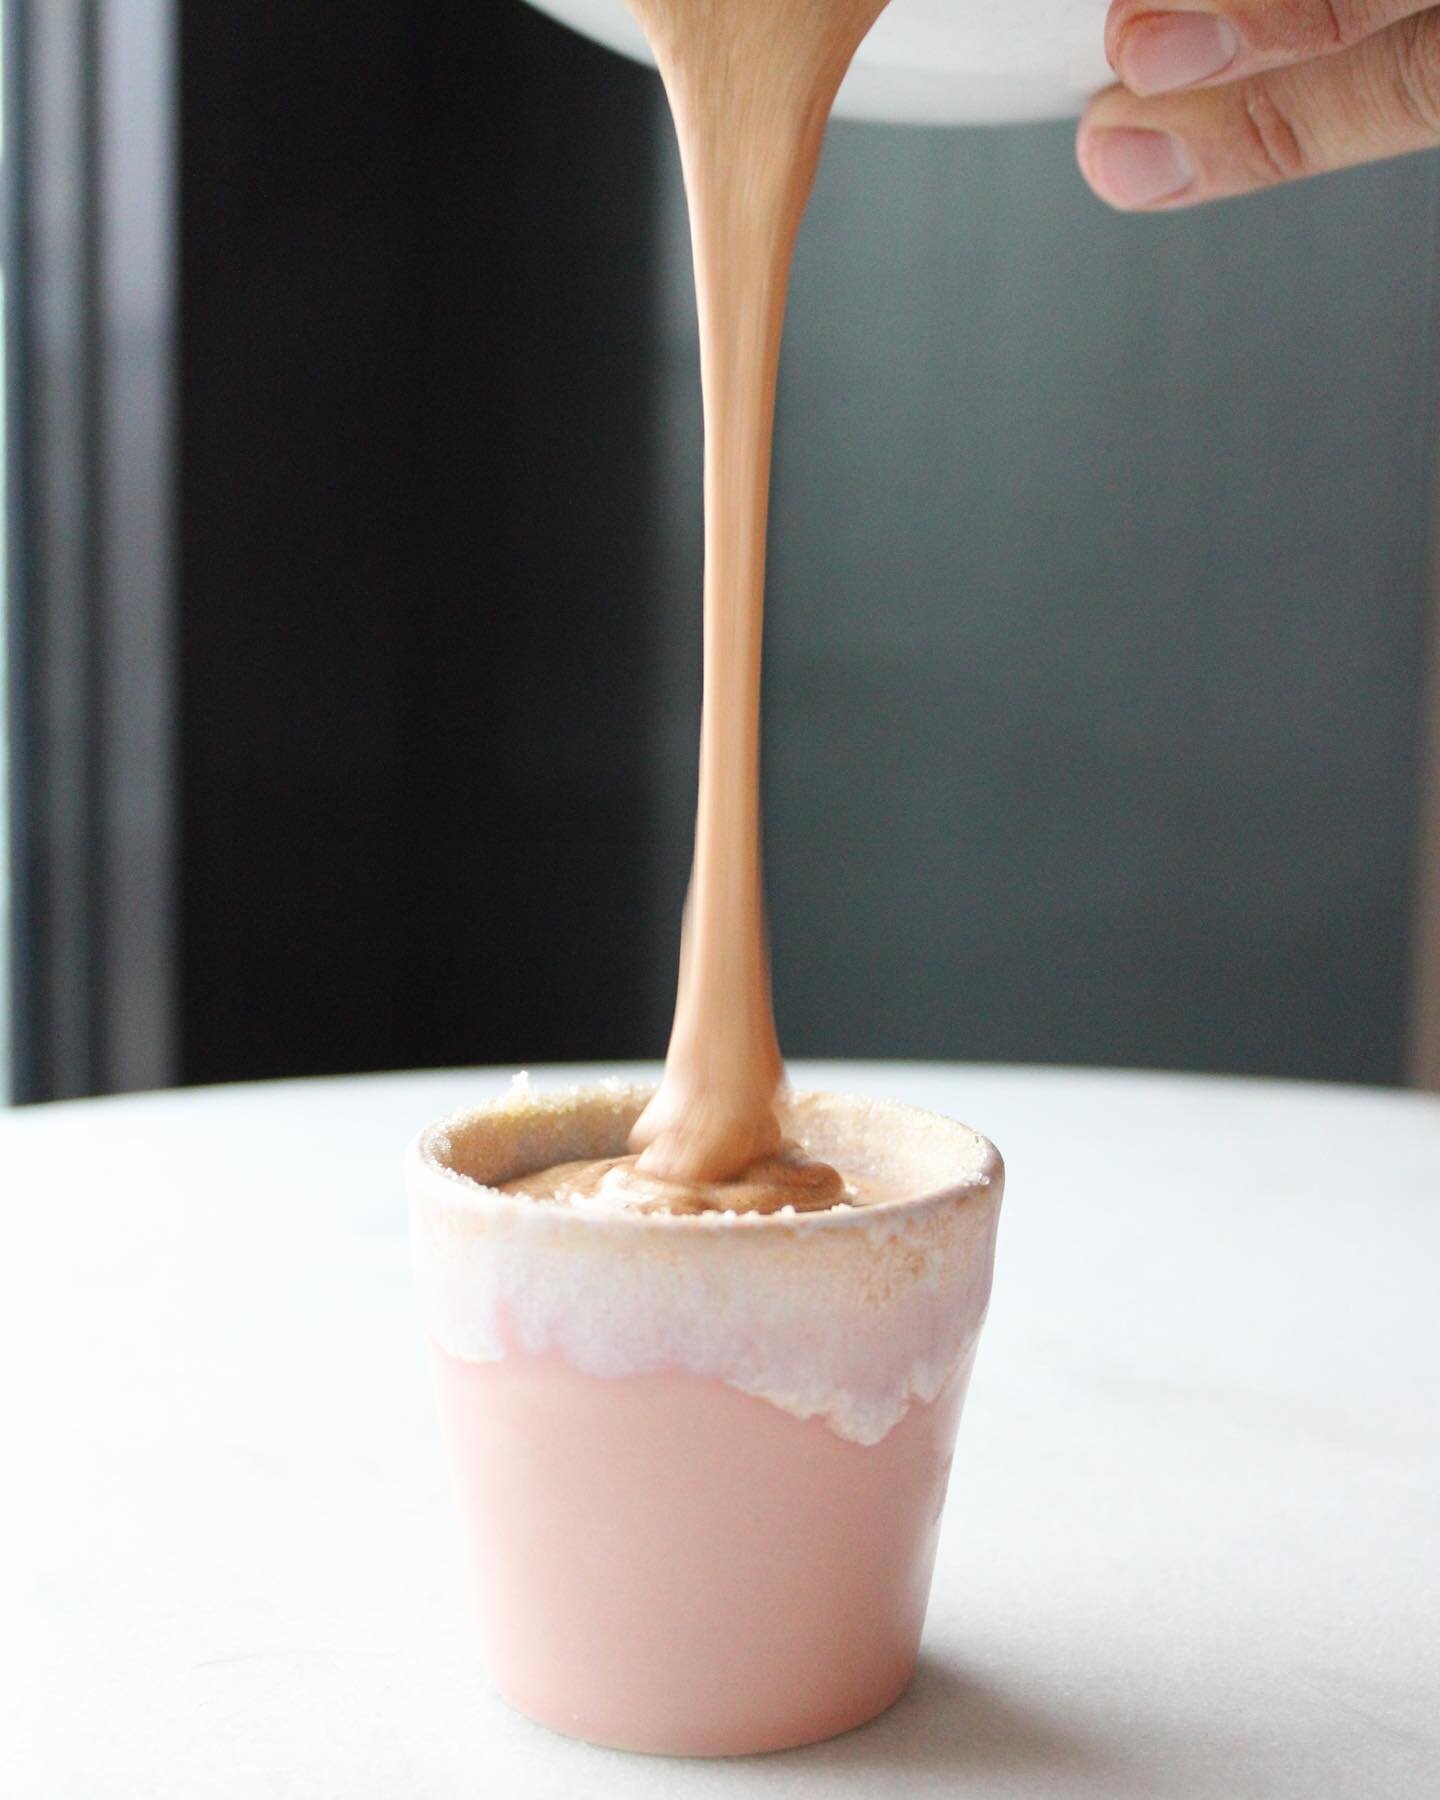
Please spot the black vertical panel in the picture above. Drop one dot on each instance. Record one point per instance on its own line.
(536, 686)
(414, 290)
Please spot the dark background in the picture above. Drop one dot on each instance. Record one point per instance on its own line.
(1097, 612)
(416, 634)
(1098, 580)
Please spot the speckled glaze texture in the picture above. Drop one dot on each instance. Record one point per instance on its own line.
(701, 1460)
(845, 1316)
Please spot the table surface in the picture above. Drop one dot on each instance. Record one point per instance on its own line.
(1193, 1542)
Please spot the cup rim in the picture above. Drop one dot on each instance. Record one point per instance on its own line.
(463, 1195)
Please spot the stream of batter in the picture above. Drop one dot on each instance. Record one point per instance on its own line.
(751, 84)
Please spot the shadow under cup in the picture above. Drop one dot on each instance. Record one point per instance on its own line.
(701, 1460)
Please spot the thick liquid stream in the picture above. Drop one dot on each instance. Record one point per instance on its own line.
(751, 84)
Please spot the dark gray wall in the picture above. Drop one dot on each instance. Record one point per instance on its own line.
(1097, 602)
(1097, 581)
(414, 435)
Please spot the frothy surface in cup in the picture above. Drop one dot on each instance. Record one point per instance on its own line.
(790, 1181)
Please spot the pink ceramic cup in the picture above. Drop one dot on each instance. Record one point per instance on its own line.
(701, 1461)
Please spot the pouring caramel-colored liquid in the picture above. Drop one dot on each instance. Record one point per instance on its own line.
(751, 84)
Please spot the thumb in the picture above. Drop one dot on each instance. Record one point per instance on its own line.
(1380, 98)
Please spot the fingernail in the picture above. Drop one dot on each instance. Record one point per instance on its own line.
(1128, 167)
(1164, 51)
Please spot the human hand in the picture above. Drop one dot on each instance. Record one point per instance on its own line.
(1226, 96)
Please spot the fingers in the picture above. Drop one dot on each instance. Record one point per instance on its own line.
(1379, 98)
(1159, 46)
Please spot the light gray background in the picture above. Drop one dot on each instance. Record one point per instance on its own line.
(1190, 1549)
(1097, 609)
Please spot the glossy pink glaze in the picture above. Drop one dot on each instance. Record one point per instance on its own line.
(663, 1563)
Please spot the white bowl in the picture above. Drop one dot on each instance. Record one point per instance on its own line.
(938, 61)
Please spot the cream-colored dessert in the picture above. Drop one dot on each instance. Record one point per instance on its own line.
(791, 1181)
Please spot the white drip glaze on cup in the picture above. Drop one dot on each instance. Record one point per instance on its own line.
(847, 1316)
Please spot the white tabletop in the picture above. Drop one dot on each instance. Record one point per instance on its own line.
(1193, 1544)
